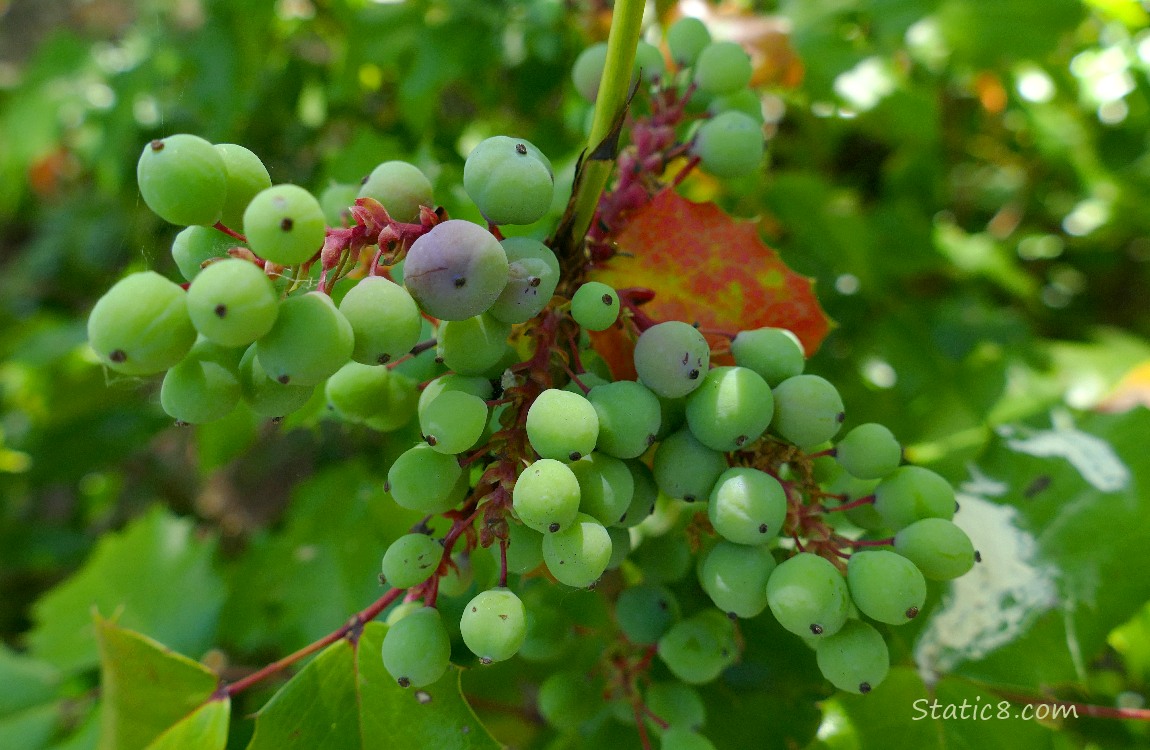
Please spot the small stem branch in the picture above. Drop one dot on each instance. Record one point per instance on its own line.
(356, 622)
(230, 232)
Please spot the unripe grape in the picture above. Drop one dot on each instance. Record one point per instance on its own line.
(628, 415)
(677, 704)
(869, 451)
(424, 480)
(474, 345)
(284, 224)
(494, 625)
(195, 245)
(183, 179)
(336, 200)
(723, 68)
(247, 176)
(642, 497)
(774, 353)
(400, 187)
(232, 302)
(605, 487)
(911, 493)
(579, 554)
(411, 560)
(141, 325)
(743, 100)
(672, 358)
(687, 37)
(747, 506)
(730, 409)
(645, 612)
(940, 549)
(562, 425)
(855, 659)
(567, 699)
(686, 469)
(695, 651)
(735, 577)
(808, 595)
(201, 387)
(730, 144)
(546, 496)
(808, 410)
(532, 275)
(266, 396)
(455, 271)
(885, 586)
(384, 320)
(595, 306)
(453, 422)
(510, 181)
(417, 649)
(648, 62)
(524, 549)
(310, 341)
(587, 71)
(373, 395)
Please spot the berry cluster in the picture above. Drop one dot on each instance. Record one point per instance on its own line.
(530, 446)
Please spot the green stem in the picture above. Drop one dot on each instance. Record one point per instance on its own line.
(599, 157)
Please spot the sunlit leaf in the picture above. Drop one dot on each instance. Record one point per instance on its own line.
(154, 697)
(708, 268)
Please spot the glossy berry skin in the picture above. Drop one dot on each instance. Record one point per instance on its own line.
(456, 271)
(183, 179)
(510, 180)
(141, 325)
(494, 625)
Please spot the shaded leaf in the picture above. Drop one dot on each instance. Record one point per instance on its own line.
(154, 697)
(155, 576)
(345, 699)
(295, 586)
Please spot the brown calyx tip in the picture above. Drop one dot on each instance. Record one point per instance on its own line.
(520, 149)
(156, 145)
(118, 355)
(287, 224)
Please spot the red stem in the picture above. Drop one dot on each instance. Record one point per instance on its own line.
(354, 625)
(230, 232)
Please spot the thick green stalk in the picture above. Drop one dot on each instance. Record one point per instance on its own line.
(602, 143)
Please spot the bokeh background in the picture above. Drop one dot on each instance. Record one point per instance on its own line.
(967, 181)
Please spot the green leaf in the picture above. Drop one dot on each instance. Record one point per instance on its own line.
(205, 729)
(887, 715)
(26, 682)
(345, 699)
(30, 729)
(155, 576)
(993, 33)
(1060, 515)
(156, 698)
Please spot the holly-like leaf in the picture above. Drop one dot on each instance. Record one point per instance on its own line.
(155, 576)
(155, 698)
(1060, 514)
(345, 699)
(708, 268)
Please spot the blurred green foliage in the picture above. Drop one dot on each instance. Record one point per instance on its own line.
(966, 180)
